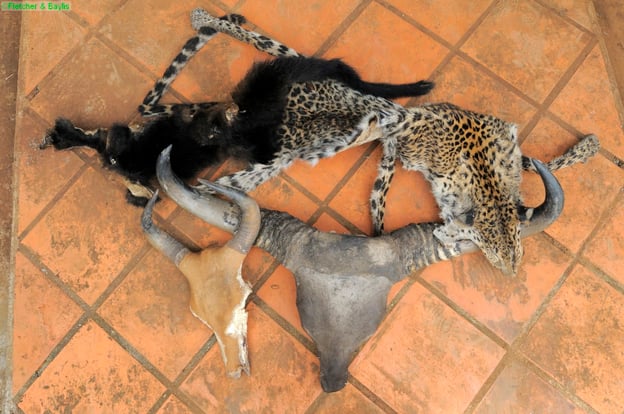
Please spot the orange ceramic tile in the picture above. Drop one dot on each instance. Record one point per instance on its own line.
(279, 291)
(278, 194)
(579, 338)
(41, 174)
(518, 390)
(376, 31)
(284, 375)
(466, 85)
(502, 303)
(577, 10)
(42, 314)
(109, 91)
(328, 224)
(450, 19)
(425, 358)
(348, 400)
(93, 11)
(606, 248)
(587, 103)
(92, 373)
(88, 236)
(150, 308)
(322, 178)
(304, 26)
(409, 199)
(527, 45)
(589, 188)
(46, 38)
(174, 406)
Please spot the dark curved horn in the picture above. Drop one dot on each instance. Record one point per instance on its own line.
(532, 220)
(163, 242)
(544, 215)
(250, 218)
(212, 210)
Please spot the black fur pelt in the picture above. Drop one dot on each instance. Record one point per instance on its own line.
(206, 137)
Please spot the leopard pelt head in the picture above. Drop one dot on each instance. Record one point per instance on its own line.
(480, 199)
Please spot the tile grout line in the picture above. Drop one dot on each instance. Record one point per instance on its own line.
(89, 313)
(342, 27)
(559, 86)
(482, 328)
(370, 395)
(287, 326)
(50, 205)
(617, 88)
(486, 386)
(531, 366)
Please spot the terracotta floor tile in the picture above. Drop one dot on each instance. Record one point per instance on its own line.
(149, 38)
(409, 199)
(589, 188)
(425, 358)
(304, 26)
(91, 374)
(579, 338)
(449, 20)
(502, 303)
(87, 247)
(323, 177)
(526, 45)
(41, 173)
(174, 406)
(578, 105)
(151, 310)
(284, 375)
(328, 224)
(577, 10)
(387, 60)
(278, 194)
(606, 248)
(467, 86)
(57, 32)
(280, 293)
(518, 390)
(42, 314)
(92, 11)
(348, 400)
(109, 92)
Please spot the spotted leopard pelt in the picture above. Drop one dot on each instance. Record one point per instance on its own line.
(472, 160)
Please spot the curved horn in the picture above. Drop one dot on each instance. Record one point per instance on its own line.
(212, 210)
(250, 218)
(544, 215)
(163, 242)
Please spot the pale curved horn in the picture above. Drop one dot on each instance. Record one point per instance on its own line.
(212, 210)
(243, 220)
(250, 218)
(163, 242)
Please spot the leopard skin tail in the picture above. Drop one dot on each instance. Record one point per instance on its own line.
(149, 106)
(583, 150)
(201, 19)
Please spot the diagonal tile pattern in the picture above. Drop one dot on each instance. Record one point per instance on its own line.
(101, 320)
